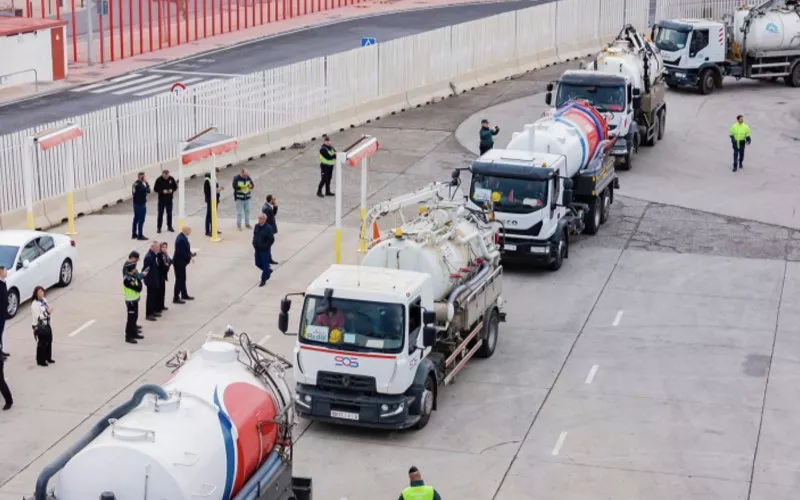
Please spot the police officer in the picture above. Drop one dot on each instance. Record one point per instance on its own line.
(487, 136)
(327, 160)
(207, 196)
(740, 135)
(417, 489)
(139, 190)
(132, 291)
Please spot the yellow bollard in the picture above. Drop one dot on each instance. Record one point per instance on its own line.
(362, 248)
(338, 247)
(71, 214)
(214, 235)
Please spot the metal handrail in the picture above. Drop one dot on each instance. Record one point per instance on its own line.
(35, 76)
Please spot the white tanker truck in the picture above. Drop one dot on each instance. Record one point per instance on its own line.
(625, 82)
(762, 42)
(219, 429)
(377, 341)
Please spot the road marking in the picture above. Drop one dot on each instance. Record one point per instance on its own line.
(162, 81)
(559, 443)
(113, 80)
(127, 84)
(617, 318)
(164, 89)
(198, 73)
(82, 328)
(266, 337)
(592, 373)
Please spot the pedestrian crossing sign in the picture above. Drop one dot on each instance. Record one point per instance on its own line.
(367, 41)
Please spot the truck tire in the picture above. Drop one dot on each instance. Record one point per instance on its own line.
(606, 210)
(793, 80)
(656, 132)
(428, 396)
(491, 330)
(592, 218)
(706, 83)
(662, 123)
(563, 243)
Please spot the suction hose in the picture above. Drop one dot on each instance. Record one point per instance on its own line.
(119, 412)
(484, 270)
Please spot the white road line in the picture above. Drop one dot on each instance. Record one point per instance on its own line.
(198, 73)
(266, 337)
(82, 328)
(618, 318)
(113, 80)
(559, 443)
(126, 84)
(165, 89)
(592, 373)
(164, 81)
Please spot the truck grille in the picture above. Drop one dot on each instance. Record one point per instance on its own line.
(346, 382)
(533, 231)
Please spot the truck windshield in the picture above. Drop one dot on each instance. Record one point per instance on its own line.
(353, 325)
(670, 40)
(602, 98)
(509, 194)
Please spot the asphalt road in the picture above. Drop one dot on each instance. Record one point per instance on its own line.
(239, 60)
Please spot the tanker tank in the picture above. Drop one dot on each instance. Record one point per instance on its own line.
(575, 131)
(777, 28)
(623, 57)
(217, 429)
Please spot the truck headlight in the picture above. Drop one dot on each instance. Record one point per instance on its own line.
(392, 410)
(304, 401)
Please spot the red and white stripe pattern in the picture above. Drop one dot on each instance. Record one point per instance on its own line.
(722, 36)
(52, 138)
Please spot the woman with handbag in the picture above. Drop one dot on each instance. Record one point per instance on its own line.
(164, 263)
(40, 314)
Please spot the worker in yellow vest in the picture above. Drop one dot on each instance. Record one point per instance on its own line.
(740, 136)
(417, 489)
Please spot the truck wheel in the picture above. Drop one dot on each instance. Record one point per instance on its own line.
(592, 218)
(426, 406)
(491, 329)
(563, 243)
(606, 210)
(706, 83)
(656, 131)
(662, 124)
(793, 80)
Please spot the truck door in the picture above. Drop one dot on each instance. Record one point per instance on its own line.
(698, 48)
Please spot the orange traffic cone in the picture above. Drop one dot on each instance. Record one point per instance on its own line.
(376, 233)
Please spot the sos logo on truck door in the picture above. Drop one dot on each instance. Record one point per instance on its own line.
(346, 361)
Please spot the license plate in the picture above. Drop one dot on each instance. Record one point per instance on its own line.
(509, 247)
(344, 414)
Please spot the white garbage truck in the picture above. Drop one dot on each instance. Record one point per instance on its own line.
(220, 429)
(553, 180)
(378, 341)
(760, 42)
(625, 82)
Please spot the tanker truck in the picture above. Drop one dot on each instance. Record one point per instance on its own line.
(762, 42)
(378, 341)
(553, 180)
(625, 81)
(219, 429)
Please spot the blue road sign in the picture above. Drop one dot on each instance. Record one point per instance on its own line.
(367, 41)
(102, 7)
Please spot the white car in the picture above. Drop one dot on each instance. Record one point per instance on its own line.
(34, 258)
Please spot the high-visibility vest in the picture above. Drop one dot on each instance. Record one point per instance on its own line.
(740, 131)
(243, 189)
(130, 294)
(418, 493)
(325, 161)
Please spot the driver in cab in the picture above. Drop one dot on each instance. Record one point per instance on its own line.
(332, 318)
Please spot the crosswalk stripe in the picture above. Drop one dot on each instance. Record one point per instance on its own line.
(161, 81)
(113, 80)
(127, 84)
(162, 89)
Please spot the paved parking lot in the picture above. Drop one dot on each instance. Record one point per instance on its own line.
(660, 362)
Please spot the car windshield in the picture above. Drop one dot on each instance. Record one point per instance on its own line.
(602, 98)
(7, 255)
(353, 325)
(508, 194)
(671, 40)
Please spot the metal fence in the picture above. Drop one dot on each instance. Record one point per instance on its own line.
(127, 137)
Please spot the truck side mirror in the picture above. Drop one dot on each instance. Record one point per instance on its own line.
(550, 87)
(286, 304)
(283, 322)
(567, 192)
(637, 93)
(548, 98)
(429, 336)
(428, 317)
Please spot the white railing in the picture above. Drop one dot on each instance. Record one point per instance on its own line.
(128, 137)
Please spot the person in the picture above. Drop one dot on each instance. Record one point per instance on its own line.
(164, 263)
(165, 186)
(207, 195)
(42, 332)
(487, 136)
(132, 291)
(4, 390)
(152, 280)
(180, 259)
(332, 318)
(740, 135)
(262, 244)
(139, 190)
(327, 161)
(3, 308)
(417, 490)
(242, 191)
(270, 209)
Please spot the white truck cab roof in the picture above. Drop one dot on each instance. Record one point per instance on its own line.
(375, 284)
(694, 23)
(520, 158)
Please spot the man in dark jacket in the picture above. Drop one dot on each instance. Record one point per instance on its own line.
(180, 259)
(487, 136)
(132, 289)
(152, 279)
(263, 237)
(270, 209)
(139, 190)
(3, 309)
(207, 196)
(165, 186)
(327, 161)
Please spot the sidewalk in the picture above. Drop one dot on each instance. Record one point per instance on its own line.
(81, 73)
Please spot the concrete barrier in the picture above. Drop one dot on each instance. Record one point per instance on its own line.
(285, 136)
(428, 93)
(497, 73)
(381, 107)
(17, 219)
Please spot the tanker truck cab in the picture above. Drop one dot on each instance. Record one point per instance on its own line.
(693, 51)
(361, 350)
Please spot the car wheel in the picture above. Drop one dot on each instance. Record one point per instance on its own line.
(65, 273)
(13, 303)
(428, 396)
